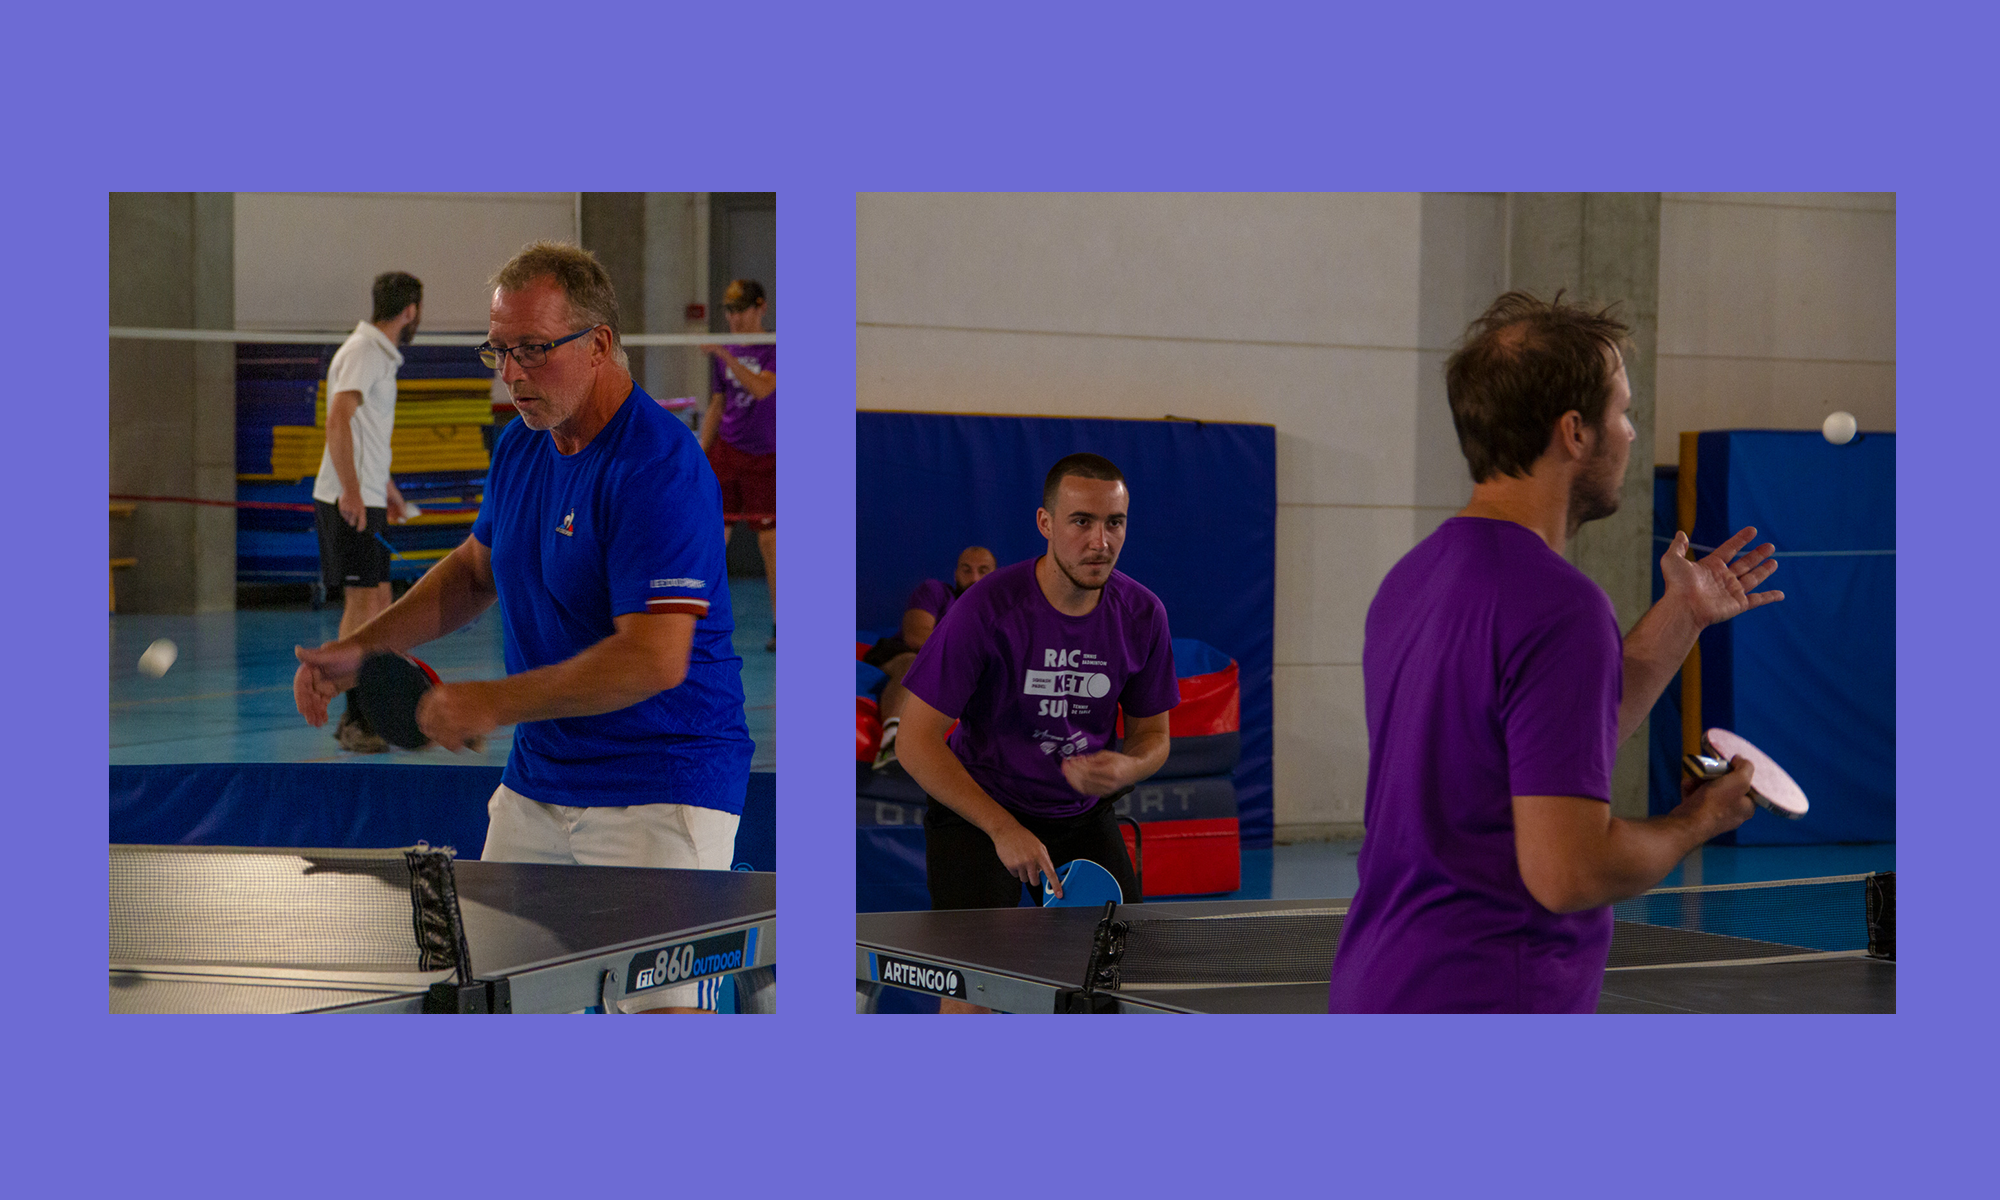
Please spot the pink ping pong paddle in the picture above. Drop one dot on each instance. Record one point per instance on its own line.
(1770, 786)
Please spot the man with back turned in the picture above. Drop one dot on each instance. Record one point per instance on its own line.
(1498, 690)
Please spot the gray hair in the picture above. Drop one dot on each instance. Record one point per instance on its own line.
(583, 280)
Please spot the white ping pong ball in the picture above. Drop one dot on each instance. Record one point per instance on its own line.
(1839, 428)
(158, 657)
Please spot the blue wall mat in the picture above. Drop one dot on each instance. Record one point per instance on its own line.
(1203, 530)
(889, 873)
(346, 805)
(1811, 681)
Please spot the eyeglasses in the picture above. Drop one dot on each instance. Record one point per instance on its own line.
(527, 355)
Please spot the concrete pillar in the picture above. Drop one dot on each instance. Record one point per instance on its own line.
(1461, 267)
(613, 227)
(672, 283)
(1601, 248)
(173, 404)
(742, 243)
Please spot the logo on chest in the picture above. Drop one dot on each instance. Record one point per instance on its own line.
(568, 526)
(1071, 676)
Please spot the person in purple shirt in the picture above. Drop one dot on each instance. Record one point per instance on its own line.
(1034, 664)
(1498, 690)
(894, 654)
(739, 430)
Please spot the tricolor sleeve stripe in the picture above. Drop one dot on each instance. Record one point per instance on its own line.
(678, 604)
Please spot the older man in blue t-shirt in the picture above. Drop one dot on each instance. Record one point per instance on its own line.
(601, 542)
(1497, 692)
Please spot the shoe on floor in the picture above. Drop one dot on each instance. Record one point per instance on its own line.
(887, 754)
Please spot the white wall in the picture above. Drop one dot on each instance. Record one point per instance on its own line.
(1330, 317)
(306, 260)
(1775, 310)
(1299, 311)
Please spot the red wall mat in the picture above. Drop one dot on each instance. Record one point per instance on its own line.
(1190, 858)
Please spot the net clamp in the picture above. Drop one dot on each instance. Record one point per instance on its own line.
(478, 996)
(1107, 955)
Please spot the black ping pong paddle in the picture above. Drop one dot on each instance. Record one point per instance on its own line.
(389, 687)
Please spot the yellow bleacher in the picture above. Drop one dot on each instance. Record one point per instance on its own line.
(431, 402)
(296, 450)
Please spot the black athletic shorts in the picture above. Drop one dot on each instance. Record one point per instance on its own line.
(349, 557)
(964, 872)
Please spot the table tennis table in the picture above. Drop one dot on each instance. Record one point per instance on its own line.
(1275, 956)
(250, 930)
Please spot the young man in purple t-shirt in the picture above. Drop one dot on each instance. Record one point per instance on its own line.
(739, 430)
(1034, 664)
(1498, 690)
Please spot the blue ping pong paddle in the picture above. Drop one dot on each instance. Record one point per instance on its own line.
(1084, 885)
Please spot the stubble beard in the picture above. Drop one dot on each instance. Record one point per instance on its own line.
(549, 415)
(1593, 497)
(537, 423)
(1078, 583)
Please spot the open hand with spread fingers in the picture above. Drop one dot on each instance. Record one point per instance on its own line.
(1721, 585)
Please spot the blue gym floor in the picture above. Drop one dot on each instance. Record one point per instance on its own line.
(228, 698)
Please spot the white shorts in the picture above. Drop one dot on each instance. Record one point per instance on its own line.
(641, 835)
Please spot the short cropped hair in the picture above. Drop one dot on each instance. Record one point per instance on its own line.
(394, 292)
(743, 294)
(1086, 466)
(1523, 364)
(583, 281)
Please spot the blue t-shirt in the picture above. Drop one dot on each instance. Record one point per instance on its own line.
(1492, 669)
(631, 523)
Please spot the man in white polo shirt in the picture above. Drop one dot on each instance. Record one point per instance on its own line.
(354, 499)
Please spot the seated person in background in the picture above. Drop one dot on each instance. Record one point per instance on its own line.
(894, 654)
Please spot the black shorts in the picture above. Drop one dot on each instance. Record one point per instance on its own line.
(887, 650)
(349, 557)
(964, 872)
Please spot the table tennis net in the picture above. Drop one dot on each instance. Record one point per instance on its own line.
(333, 910)
(1732, 922)
(1683, 926)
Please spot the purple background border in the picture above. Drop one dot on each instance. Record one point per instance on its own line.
(1029, 96)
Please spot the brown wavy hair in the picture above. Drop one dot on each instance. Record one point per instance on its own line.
(1522, 365)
